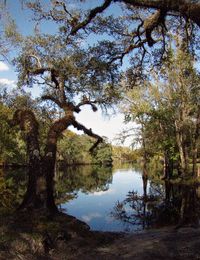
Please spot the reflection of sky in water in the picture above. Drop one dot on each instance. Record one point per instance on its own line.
(94, 208)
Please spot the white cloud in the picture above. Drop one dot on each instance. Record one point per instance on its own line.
(89, 217)
(103, 126)
(7, 82)
(3, 66)
(100, 193)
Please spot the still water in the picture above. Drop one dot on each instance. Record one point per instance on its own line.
(122, 199)
(95, 206)
(114, 199)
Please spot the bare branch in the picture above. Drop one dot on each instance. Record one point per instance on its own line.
(90, 17)
(88, 102)
(53, 99)
(130, 48)
(65, 9)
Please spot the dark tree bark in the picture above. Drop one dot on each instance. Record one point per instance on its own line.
(189, 208)
(167, 166)
(49, 159)
(183, 7)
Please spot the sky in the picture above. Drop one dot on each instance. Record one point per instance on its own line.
(108, 126)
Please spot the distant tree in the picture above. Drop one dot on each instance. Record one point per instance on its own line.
(180, 82)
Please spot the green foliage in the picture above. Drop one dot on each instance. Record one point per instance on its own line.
(124, 154)
(166, 108)
(74, 149)
(12, 187)
(6, 194)
(12, 146)
(102, 154)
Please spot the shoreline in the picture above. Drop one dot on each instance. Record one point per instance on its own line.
(65, 237)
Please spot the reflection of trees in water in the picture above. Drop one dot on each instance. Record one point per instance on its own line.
(165, 204)
(83, 178)
(12, 186)
(68, 183)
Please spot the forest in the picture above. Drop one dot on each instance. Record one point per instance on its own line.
(139, 58)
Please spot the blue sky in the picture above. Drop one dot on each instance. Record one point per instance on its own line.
(108, 126)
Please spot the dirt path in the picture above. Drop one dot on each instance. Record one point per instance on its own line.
(151, 245)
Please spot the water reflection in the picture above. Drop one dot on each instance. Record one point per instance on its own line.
(12, 187)
(117, 199)
(87, 179)
(96, 190)
(165, 204)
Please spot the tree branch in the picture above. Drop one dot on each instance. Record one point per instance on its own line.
(183, 7)
(90, 17)
(130, 48)
(151, 23)
(53, 99)
(88, 132)
(87, 102)
(37, 59)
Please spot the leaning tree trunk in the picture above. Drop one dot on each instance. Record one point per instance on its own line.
(33, 197)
